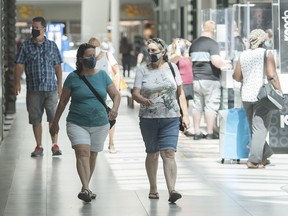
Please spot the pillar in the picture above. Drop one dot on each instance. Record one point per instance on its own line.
(115, 9)
(94, 19)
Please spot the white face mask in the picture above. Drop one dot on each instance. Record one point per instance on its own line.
(98, 50)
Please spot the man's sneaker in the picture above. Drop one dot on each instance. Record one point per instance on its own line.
(198, 136)
(38, 151)
(56, 150)
(211, 136)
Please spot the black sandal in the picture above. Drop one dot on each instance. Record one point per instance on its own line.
(174, 196)
(85, 195)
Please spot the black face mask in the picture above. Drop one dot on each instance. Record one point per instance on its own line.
(89, 62)
(35, 33)
(154, 57)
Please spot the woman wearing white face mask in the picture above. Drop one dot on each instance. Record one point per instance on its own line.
(157, 90)
(107, 62)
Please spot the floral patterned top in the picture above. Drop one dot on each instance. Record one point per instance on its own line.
(158, 85)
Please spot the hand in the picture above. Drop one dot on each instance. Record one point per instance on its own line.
(17, 88)
(113, 114)
(186, 122)
(148, 102)
(54, 129)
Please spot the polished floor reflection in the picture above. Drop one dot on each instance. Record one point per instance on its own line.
(49, 185)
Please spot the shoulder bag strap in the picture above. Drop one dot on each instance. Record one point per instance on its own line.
(264, 65)
(94, 91)
(172, 69)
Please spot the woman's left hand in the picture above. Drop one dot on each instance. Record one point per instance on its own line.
(113, 114)
(186, 122)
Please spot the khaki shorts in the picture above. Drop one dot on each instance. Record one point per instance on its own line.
(207, 95)
(37, 102)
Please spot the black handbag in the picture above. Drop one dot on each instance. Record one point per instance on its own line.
(181, 127)
(111, 122)
(268, 96)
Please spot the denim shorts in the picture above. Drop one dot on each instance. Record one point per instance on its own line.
(37, 102)
(159, 133)
(93, 136)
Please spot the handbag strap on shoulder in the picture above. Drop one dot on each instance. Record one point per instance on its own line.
(94, 91)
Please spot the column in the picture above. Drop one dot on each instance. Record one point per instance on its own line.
(94, 19)
(115, 9)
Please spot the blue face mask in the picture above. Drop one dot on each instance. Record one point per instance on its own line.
(89, 62)
(182, 50)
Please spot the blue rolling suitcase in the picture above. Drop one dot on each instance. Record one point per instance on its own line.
(234, 135)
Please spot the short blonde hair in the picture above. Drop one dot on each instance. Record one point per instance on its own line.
(94, 41)
(209, 26)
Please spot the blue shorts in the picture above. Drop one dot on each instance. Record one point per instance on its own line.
(93, 136)
(37, 101)
(159, 133)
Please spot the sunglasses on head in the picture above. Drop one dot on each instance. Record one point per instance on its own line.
(158, 41)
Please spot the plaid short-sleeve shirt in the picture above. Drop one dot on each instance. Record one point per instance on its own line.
(39, 62)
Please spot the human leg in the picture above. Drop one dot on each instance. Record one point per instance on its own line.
(260, 150)
(82, 153)
(168, 138)
(35, 108)
(212, 95)
(151, 165)
(111, 140)
(50, 104)
(197, 109)
(170, 173)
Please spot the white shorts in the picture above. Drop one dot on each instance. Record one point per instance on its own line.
(93, 136)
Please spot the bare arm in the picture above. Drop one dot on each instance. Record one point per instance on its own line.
(140, 99)
(64, 99)
(219, 62)
(116, 98)
(19, 68)
(140, 57)
(58, 70)
(183, 105)
(271, 72)
(237, 75)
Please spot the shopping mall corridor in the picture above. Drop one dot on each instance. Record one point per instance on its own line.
(48, 186)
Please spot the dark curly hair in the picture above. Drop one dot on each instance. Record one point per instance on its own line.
(80, 52)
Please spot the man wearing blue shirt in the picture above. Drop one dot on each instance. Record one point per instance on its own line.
(41, 60)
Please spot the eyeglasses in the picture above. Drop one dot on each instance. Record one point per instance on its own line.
(158, 41)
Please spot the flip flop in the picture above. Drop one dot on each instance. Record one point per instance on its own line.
(153, 195)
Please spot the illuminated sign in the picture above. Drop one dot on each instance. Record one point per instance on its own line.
(27, 12)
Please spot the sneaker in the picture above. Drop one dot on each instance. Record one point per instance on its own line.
(198, 136)
(188, 134)
(112, 149)
(211, 136)
(56, 150)
(38, 151)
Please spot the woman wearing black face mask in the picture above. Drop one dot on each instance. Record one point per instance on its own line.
(157, 91)
(87, 120)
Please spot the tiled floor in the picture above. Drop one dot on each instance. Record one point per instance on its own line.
(49, 186)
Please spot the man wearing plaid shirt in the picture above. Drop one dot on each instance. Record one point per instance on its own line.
(41, 61)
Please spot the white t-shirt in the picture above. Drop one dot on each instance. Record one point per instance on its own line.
(106, 62)
(159, 85)
(251, 62)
